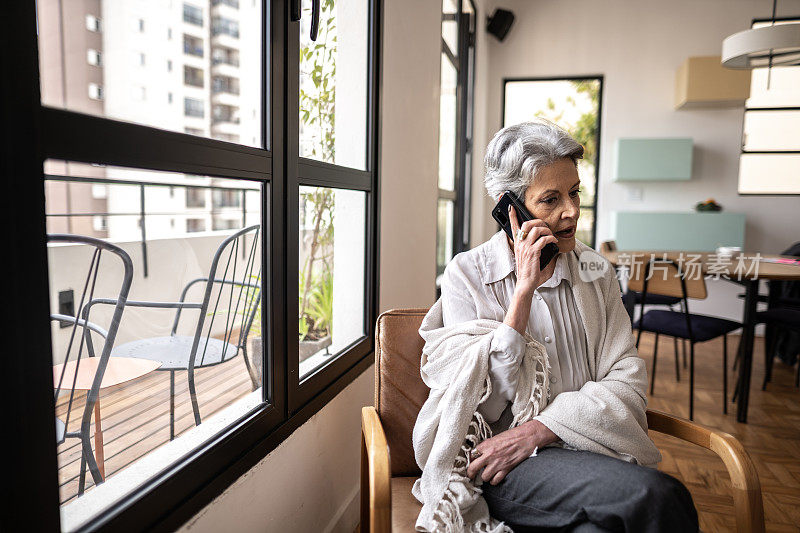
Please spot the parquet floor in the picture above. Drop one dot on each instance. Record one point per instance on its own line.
(771, 436)
(135, 417)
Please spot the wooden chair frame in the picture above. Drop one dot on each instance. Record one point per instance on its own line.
(376, 492)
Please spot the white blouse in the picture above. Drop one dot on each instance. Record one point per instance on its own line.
(480, 283)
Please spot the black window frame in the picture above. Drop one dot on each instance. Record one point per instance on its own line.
(601, 79)
(464, 63)
(36, 133)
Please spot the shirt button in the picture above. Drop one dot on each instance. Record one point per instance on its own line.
(538, 296)
(547, 339)
(553, 379)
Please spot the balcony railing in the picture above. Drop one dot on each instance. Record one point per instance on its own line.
(222, 197)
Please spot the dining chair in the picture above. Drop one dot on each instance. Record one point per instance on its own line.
(80, 348)
(233, 267)
(787, 318)
(631, 298)
(672, 281)
(388, 467)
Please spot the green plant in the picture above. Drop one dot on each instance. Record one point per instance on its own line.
(318, 99)
(321, 308)
(303, 328)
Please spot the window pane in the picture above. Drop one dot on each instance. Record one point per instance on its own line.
(157, 56)
(771, 130)
(444, 234)
(333, 83)
(572, 104)
(585, 225)
(447, 125)
(769, 174)
(450, 25)
(190, 229)
(332, 276)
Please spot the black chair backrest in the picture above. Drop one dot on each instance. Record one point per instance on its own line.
(80, 343)
(232, 293)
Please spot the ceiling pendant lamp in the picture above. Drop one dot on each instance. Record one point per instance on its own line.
(767, 46)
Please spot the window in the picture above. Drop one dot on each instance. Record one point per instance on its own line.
(455, 130)
(224, 55)
(95, 91)
(232, 3)
(225, 84)
(192, 76)
(574, 104)
(195, 197)
(192, 14)
(93, 57)
(169, 34)
(169, 98)
(141, 25)
(172, 200)
(225, 26)
(93, 23)
(770, 158)
(193, 225)
(193, 107)
(192, 46)
(123, 46)
(225, 113)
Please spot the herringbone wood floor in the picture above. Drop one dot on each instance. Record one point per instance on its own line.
(771, 436)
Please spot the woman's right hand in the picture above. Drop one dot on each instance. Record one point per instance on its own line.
(528, 251)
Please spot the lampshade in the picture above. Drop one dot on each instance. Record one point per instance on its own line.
(753, 48)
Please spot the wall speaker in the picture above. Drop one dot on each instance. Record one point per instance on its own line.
(500, 23)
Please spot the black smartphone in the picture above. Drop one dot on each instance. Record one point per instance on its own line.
(500, 214)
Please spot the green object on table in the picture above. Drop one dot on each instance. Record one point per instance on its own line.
(668, 159)
(690, 231)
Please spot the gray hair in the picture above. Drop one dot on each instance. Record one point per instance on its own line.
(518, 152)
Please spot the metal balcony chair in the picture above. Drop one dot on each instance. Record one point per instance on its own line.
(80, 346)
(386, 478)
(672, 281)
(631, 298)
(236, 258)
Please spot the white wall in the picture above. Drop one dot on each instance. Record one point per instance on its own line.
(310, 482)
(637, 47)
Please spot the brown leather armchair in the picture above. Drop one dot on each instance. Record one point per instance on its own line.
(386, 478)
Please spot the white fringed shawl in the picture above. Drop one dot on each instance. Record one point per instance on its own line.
(455, 366)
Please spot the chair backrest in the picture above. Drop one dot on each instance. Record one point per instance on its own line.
(608, 246)
(80, 344)
(399, 389)
(667, 278)
(232, 293)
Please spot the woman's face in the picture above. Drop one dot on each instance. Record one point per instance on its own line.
(553, 197)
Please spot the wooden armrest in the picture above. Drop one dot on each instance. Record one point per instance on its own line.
(747, 499)
(376, 490)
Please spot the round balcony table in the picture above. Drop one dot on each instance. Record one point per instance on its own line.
(118, 370)
(741, 269)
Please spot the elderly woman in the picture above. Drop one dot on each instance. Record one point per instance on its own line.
(585, 462)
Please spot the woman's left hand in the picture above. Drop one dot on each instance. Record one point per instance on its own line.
(501, 453)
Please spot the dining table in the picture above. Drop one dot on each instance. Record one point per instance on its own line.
(744, 268)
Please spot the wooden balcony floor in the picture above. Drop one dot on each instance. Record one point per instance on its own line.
(135, 417)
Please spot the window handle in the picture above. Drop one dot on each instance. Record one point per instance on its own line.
(294, 10)
(315, 8)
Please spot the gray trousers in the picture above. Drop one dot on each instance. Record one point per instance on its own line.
(567, 490)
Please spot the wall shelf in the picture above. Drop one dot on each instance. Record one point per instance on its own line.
(642, 159)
